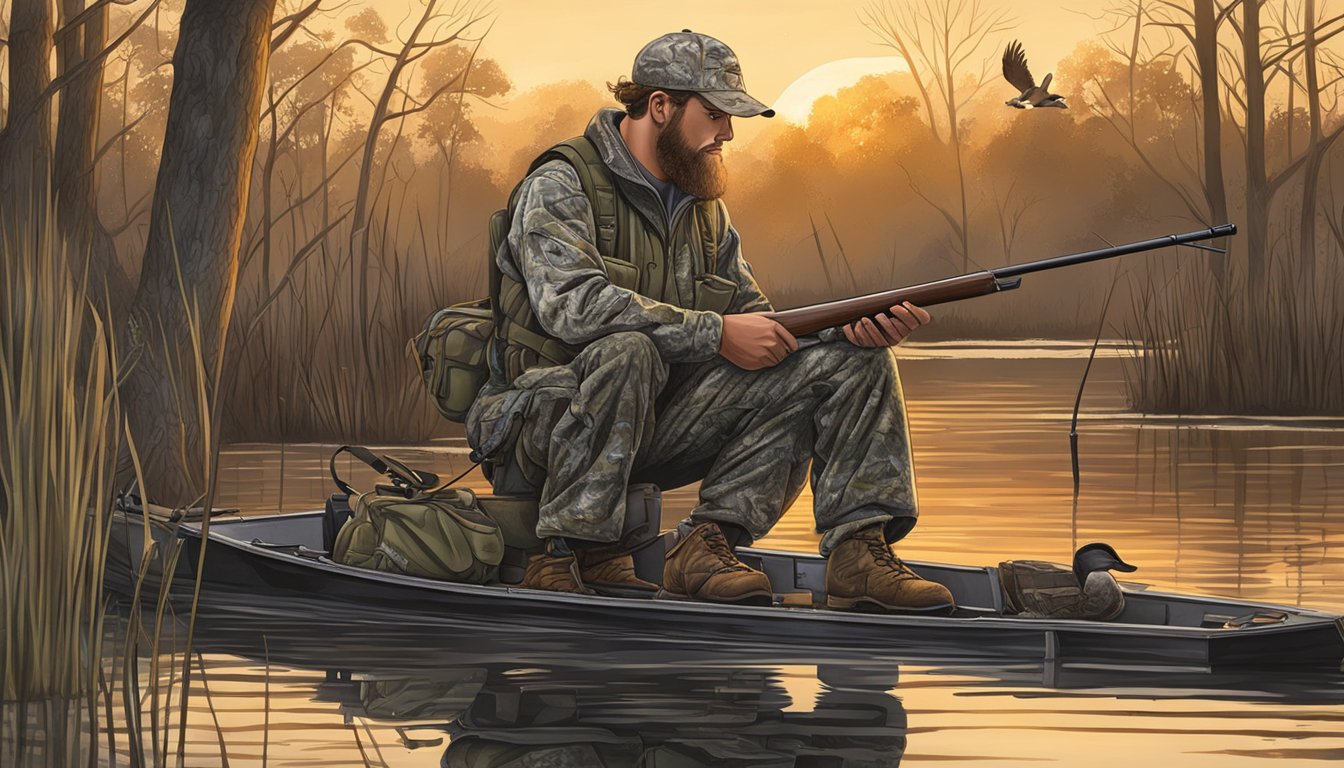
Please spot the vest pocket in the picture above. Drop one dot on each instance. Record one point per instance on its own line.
(714, 294)
(622, 274)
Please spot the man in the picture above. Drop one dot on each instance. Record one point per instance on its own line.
(631, 348)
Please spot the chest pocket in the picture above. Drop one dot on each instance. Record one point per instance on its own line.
(621, 273)
(713, 293)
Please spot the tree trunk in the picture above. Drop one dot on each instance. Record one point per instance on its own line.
(219, 71)
(1315, 155)
(25, 144)
(74, 174)
(1257, 183)
(964, 230)
(1215, 189)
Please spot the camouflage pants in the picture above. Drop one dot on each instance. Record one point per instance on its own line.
(618, 414)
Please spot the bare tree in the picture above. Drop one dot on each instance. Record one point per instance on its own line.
(1318, 141)
(80, 46)
(180, 314)
(413, 48)
(938, 39)
(1132, 113)
(1012, 212)
(1265, 50)
(4, 44)
(1199, 23)
(25, 142)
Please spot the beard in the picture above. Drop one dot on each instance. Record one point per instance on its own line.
(695, 172)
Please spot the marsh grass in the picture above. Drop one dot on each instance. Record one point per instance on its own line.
(65, 660)
(58, 442)
(300, 374)
(1211, 349)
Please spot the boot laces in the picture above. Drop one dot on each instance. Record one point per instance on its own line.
(883, 556)
(718, 545)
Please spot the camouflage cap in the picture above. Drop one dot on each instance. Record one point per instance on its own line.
(689, 61)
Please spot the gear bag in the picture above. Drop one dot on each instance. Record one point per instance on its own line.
(451, 352)
(416, 526)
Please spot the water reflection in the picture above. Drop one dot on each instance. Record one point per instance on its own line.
(443, 692)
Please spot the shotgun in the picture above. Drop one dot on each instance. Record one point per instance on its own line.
(816, 317)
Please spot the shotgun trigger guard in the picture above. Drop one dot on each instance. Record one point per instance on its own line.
(1009, 284)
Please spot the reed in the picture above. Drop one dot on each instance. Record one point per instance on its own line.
(301, 375)
(1206, 348)
(62, 654)
(58, 443)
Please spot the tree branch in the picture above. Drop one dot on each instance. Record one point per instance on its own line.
(107, 146)
(295, 21)
(83, 16)
(96, 60)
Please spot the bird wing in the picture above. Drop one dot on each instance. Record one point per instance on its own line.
(1015, 67)
(1045, 84)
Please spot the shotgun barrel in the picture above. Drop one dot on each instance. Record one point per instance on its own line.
(815, 317)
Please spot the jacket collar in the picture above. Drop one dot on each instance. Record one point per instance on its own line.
(604, 132)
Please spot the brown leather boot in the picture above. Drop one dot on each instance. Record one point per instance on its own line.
(554, 572)
(862, 573)
(612, 574)
(702, 566)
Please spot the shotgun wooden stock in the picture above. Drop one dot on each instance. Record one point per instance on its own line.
(816, 317)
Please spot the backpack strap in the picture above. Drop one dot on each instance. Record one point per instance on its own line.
(596, 181)
(594, 178)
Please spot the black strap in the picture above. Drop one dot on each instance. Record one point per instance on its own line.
(404, 479)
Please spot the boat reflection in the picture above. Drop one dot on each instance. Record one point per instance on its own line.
(497, 715)
(470, 696)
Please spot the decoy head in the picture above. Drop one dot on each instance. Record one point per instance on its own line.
(1098, 557)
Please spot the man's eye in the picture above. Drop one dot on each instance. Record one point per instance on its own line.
(715, 115)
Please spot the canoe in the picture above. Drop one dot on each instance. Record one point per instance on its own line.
(281, 557)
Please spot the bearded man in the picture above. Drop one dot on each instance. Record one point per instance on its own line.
(630, 347)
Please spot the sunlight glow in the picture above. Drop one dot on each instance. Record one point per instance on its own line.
(795, 103)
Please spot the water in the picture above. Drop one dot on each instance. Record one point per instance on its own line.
(1219, 506)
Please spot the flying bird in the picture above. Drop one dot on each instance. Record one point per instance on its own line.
(1015, 71)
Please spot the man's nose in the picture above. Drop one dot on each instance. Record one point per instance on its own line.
(726, 132)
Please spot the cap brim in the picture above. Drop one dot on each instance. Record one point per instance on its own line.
(737, 103)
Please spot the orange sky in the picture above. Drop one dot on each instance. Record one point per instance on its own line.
(777, 41)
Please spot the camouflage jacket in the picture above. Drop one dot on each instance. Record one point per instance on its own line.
(551, 250)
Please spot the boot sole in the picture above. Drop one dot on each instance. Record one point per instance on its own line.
(606, 590)
(751, 598)
(869, 605)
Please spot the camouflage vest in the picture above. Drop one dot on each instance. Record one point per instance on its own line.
(634, 253)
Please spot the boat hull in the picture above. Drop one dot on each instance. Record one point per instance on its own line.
(1156, 630)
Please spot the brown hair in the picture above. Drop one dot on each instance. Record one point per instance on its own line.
(635, 97)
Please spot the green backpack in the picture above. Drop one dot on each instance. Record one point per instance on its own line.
(451, 351)
(416, 526)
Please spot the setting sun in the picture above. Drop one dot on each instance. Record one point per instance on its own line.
(795, 102)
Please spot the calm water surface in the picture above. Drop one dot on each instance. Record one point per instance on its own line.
(1222, 506)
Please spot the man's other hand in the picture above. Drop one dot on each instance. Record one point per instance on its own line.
(887, 330)
(753, 341)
